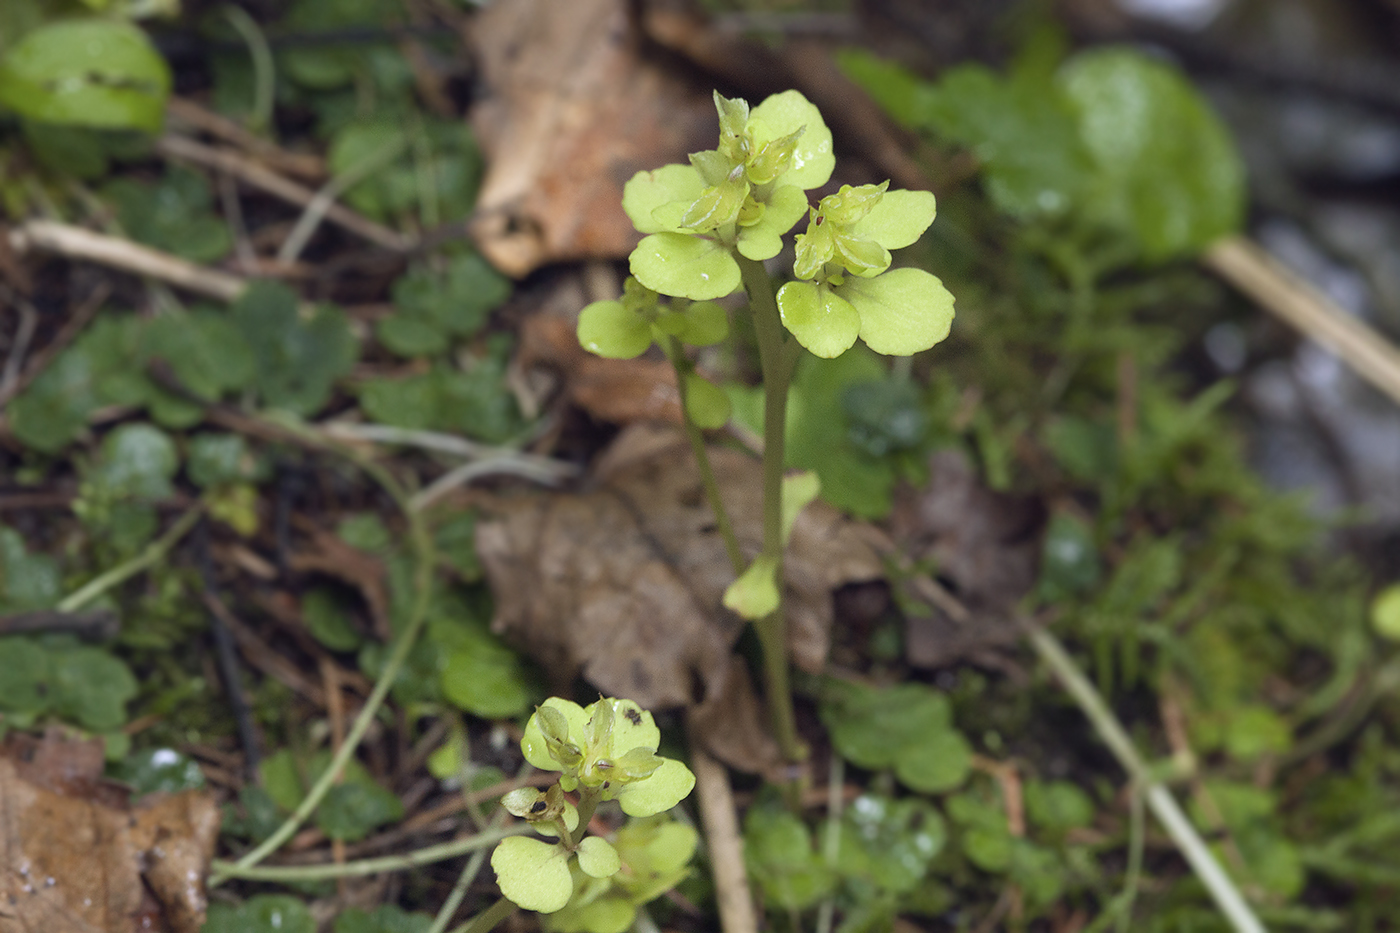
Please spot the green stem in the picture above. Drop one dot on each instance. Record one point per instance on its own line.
(423, 575)
(487, 920)
(588, 800)
(681, 365)
(286, 874)
(777, 356)
(152, 553)
(1159, 800)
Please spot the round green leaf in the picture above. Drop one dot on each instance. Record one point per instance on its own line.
(633, 727)
(485, 682)
(901, 311)
(704, 323)
(781, 114)
(939, 762)
(764, 240)
(755, 593)
(823, 322)
(138, 460)
(92, 72)
(667, 786)
(610, 329)
(1385, 613)
(898, 219)
(597, 857)
(648, 191)
(533, 874)
(24, 676)
(705, 402)
(91, 688)
(1168, 172)
(262, 913)
(685, 266)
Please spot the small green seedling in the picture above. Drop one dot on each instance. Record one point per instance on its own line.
(606, 751)
(708, 228)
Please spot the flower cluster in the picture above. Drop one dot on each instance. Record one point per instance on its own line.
(744, 194)
(843, 290)
(606, 751)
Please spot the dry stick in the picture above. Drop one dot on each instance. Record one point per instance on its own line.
(1160, 800)
(81, 243)
(196, 116)
(227, 659)
(1247, 266)
(736, 913)
(264, 179)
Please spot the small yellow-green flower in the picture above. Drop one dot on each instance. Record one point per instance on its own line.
(744, 194)
(610, 746)
(844, 290)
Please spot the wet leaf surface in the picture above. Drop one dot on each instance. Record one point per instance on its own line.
(77, 858)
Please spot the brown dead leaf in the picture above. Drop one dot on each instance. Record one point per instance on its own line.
(623, 584)
(986, 548)
(572, 112)
(74, 856)
(620, 391)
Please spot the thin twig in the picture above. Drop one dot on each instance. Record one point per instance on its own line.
(726, 845)
(198, 117)
(81, 243)
(1247, 266)
(327, 197)
(24, 332)
(149, 555)
(264, 179)
(284, 874)
(1160, 800)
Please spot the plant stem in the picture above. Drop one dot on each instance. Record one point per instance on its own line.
(370, 866)
(777, 357)
(488, 919)
(1159, 800)
(422, 543)
(148, 556)
(672, 346)
(588, 800)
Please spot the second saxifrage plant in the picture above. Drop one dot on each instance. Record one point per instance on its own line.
(709, 227)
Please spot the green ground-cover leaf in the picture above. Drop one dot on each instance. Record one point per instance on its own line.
(885, 842)
(779, 851)
(386, 918)
(159, 770)
(297, 359)
(27, 581)
(90, 72)
(907, 727)
(84, 686)
(261, 913)
(351, 809)
(476, 403)
(174, 214)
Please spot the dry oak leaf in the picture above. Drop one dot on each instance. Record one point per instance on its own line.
(77, 860)
(623, 583)
(572, 111)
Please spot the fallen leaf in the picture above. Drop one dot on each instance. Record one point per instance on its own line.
(572, 111)
(619, 391)
(74, 858)
(622, 584)
(985, 546)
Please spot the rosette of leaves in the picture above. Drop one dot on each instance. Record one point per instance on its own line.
(742, 195)
(844, 290)
(907, 728)
(606, 751)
